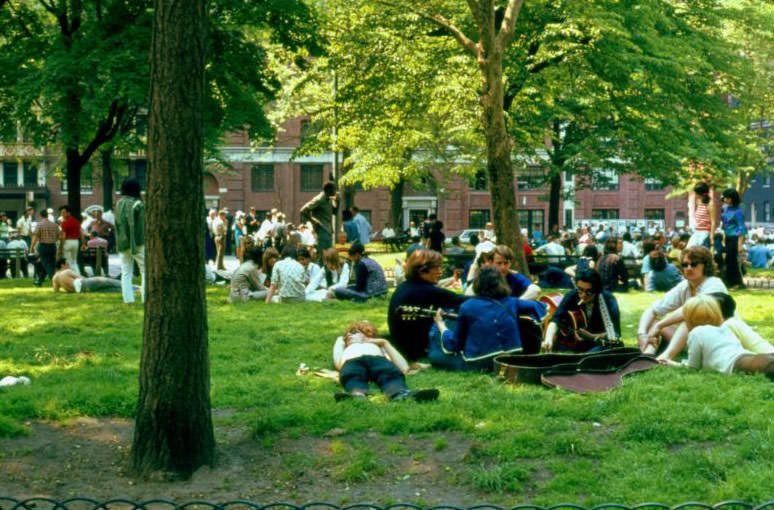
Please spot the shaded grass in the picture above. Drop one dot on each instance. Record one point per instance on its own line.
(666, 435)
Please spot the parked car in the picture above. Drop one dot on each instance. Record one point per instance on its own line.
(464, 235)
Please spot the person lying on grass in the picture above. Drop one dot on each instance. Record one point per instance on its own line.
(714, 346)
(746, 335)
(360, 357)
(69, 281)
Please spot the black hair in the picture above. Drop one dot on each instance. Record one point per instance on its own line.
(490, 283)
(329, 188)
(473, 240)
(658, 263)
(131, 187)
(627, 237)
(303, 253)
(59, 263)
(726, 302)
(591, 252)
(65, 208)
(702, 189)
(590, 276)
(438, 225)
(289, 251)
(733, 195)
(456, 240)
(255, 254)
(432, 217)
(355, 209)
(346, 215)
(43, 213)
(416, 239)
(356, 249)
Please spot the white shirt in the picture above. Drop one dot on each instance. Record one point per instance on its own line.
(551, 248)
(629, 250)
(387, 233)
(681, 292)
(265, 229)
(307, 238)
(714, 348)
(218, 224)
(316, 277)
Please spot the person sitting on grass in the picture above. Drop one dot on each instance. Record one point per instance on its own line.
(521, 286)
(408, 331)
(361, 356)
(315, 276)
(70, 281)
(748, 337)
(663, 275)
(602, 314)
(288, 279)
(247, 282)
(487, 326)
(369, 277)
(335, 276)
(714, 346)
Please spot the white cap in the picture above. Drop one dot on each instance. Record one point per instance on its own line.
(484, 247)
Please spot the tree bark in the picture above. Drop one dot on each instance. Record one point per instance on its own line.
(74, 166)
(554, 198)
(347, 192)
(173, 430)
(396, 204)
(107, 178)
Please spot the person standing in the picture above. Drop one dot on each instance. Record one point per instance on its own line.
(320, 211)
(24, 225)
(219, 227)
(130, 237)
(44, 238)
(71, 237)
(363, 226)
(734, 232)
(703, 216)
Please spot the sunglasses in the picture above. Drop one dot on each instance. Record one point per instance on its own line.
(690, 264)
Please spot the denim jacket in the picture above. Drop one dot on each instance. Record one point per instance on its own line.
(486, 328)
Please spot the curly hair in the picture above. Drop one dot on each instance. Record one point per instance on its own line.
(700, 255)
(421, 261)
(364, 327)
(490, 283)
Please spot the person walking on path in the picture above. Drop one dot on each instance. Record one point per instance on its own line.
(130, 237)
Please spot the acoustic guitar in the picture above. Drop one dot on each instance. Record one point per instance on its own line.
(572, 328)
(530, 330)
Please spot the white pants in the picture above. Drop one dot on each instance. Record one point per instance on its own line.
(697, 238)
(127, 271)
(70, 252)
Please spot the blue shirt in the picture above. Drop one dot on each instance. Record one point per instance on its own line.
(518, 283)
(487, 327)
(759, 256)
(363, 229)
(733, 221)
(351, 230)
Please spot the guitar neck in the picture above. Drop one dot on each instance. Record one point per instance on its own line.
(422, 312)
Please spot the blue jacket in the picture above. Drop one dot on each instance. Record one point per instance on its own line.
(485, 328)
(350, 228)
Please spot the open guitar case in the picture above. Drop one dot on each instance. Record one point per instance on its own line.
(580, 373)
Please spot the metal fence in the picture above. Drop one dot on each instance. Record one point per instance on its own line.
(7, 503)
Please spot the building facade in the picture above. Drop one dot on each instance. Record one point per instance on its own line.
(271, 177)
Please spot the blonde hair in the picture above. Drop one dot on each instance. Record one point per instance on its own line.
(331, 256)
(702, 309)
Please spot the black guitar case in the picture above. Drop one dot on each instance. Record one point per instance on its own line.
(581, 373)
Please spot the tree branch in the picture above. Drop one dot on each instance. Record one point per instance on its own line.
(508, 26)
(108, 129)
(17, 18)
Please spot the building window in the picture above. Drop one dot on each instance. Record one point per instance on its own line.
(311, 177)
(478, 218)
(308, 130)
(533, 220)
(480, 182)
(30, 175)
(568, 218)
(654, 214)
(604, 180)
(653, 184)
(532, 177)
(604, 214)
(766, 211)
(10, 174)
(262, 178)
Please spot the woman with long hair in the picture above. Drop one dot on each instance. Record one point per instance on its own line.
(734, 231)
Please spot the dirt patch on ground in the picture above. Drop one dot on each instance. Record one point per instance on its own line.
(89, 457)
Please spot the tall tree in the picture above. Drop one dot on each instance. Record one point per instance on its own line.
(173, 428)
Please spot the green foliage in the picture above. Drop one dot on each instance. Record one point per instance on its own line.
(668, 435)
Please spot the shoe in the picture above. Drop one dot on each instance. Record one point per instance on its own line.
(417, 395)
(37, 283)
(338, 397)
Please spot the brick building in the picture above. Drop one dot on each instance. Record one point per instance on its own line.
(269, 177)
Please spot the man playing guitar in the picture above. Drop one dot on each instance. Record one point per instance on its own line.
(586, 320)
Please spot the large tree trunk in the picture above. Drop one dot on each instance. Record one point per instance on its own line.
(554, 199)
(396, 205)
(348, 191)
(173, 430)
(107, 178)
(498, 153)
(74, 167)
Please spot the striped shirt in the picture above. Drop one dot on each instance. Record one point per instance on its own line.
(702, 217)
(47, 232)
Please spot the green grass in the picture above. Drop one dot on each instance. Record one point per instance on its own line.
(667, 435)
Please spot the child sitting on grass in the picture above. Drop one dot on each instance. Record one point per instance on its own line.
(360, 356)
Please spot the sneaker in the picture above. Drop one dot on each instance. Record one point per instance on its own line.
(338, 397)
(418, 395)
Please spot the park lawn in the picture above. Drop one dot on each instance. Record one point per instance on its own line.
(668, 435)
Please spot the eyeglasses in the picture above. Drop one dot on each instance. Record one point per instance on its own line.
(587, 292)
(690, 264)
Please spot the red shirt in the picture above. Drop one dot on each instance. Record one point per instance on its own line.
(71, 228)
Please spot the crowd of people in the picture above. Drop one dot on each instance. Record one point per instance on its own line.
(485, 309)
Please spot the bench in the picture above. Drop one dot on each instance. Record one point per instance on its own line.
(397, 243)
(16, 256)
